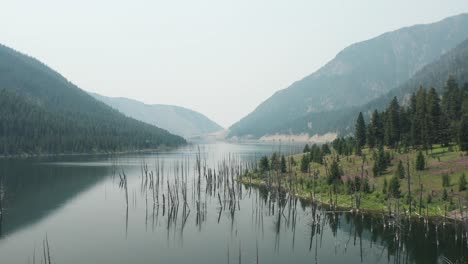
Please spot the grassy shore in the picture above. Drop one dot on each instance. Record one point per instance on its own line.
(428, 201)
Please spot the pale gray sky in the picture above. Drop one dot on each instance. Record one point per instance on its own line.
(221, 58)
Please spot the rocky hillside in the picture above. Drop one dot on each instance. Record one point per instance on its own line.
(358, 74)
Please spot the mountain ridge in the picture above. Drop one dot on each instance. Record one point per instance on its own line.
(175, 119)
(41, 112)
(357, 74)
(453, 63)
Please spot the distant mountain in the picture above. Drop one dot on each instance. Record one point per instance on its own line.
(178, 120)
(42, 112)
(358, 74)
(453, 63)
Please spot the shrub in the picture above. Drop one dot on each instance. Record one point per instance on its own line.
(429, 199)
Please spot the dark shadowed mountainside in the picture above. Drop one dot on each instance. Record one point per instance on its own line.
(41, 112)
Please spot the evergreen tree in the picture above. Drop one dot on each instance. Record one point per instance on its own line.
(451, 101)
(463, 128)
(420, 162)
(444, 129)
(463, 133)
(326, 149)
(305, 163)
(445, 180)
(306, 149)
(316, 154)
(360, 131)
(275, 162)
(434, 116)
(462, 183)
(445, 195)
(392, 123)
(366, 186)
(385, 186)
(405, 127)
(283, 164)
(400, 171)
(379, 127)
(420, 120)
(451, 104)
(394, 187)
(382, 160)
(335, 173)
(264, 164)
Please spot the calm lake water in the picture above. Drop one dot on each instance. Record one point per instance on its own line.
(80, 205)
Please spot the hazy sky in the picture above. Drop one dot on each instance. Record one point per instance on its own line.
(221, 58)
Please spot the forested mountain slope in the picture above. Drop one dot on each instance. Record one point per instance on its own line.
(178, 120)
(453, 63)
(358, 74)
(42, 112)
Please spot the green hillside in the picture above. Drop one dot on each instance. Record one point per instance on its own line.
(42, 112)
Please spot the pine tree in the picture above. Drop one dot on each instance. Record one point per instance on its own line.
(306, 149)
(385, 186)
(400, 171)
(445, 180)
(305, 163)
(360, 131)
(444, 129)
(275, 163)
(264, 164)
(420, 162)
(392, 123)
(366, 186)
(283, 164)
(463, 133)
(452, 104)
(463, 128)
(326, 149)
(451, 101)
(421, 120)
(445, 195)
(434, 115)
(462, 183)
(335, 173)
(394, 187)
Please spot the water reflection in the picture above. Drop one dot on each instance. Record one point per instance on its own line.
(31, 191)
(186, 206)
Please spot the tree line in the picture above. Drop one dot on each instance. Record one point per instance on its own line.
(27, 127)
(426, 119)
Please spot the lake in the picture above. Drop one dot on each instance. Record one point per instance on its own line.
(76, 209)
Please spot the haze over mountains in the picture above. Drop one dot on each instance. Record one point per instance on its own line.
(359, 74)
(175, 119)
(43, 113)
(453, 63)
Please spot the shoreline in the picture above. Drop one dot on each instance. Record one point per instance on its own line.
(340, 207)
(103, 153)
